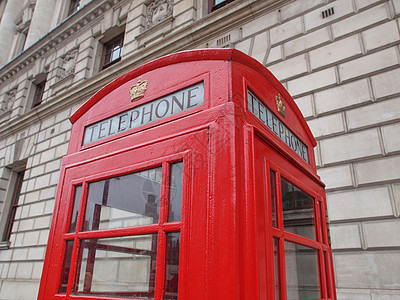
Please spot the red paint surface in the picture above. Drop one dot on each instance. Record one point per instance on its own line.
(226, 232)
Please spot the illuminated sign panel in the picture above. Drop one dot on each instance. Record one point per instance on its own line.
(261, 111)
(163, 107)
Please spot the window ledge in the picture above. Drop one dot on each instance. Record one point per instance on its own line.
(4, 245)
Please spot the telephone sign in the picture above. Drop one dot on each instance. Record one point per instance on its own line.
(193, 187)
(265, 115)
(166, 106)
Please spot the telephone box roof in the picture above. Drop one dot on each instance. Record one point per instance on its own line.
(225, 54)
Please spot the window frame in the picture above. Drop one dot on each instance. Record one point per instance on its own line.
(213, 7)
(13, 205)
(38, 94)
(74, 6)
(10, 205)
(119, 37)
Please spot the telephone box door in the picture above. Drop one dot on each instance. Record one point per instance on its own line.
(125, 233)
(294, 251)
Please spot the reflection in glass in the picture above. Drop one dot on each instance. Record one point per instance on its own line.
(328, 286)
(175, 192)
(277, 269)
(298, 210)
(273, 198)
(74, 217)
(121, 266)
(66, 266)
(172, 266)
(322, 221)
(302, 279)
(124, 201)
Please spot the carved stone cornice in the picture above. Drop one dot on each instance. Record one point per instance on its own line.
(64, 30)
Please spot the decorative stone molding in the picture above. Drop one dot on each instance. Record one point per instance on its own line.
(67, 66)
(80, 19)
(6, 103)
(24, 19)
(158, 11)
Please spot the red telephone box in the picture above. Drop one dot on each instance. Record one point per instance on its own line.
(190, 177)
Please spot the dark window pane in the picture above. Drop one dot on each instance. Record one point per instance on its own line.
(277, 269)
(109, 47)
(298, 210)
(37, 100)
(14, 205)
(112, 51)
(66, 266)
(118, 43)
(175, 192)
(107, 59)
(172, 266)
(124, 201)
(74, 6)
(74, 217)
(117, 267)
(302, 277)
(273, 198)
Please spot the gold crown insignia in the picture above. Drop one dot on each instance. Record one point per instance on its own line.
(280, 105)
(137, 90)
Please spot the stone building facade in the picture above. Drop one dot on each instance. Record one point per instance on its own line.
(338, 59)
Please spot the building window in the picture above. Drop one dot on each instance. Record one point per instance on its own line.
(74, 7)
(112, 51)
(216, 4)
(13, 206)
(38, 97)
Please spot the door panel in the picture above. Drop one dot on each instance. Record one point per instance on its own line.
(293, 250)
(123, 224)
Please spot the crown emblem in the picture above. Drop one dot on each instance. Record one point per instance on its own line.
(137, 90)
(280, 105)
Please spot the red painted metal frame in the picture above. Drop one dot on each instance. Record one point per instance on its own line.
(226, 244)
(269, 159)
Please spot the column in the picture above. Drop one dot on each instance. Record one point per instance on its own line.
(8, 27)
(41, 21)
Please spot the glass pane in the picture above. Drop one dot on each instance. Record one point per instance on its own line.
(277, 269)
(216, 2)
(122, 267)
(175, 193)
(66, 266)
(107, 59)
(323, 220)
(124, 201)
(273, 198)
(109, 48)
(117, 43)
(74, 217)
(172, 266)
(328, 287)
(298, 210)
(116, 54)
(302, 279)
